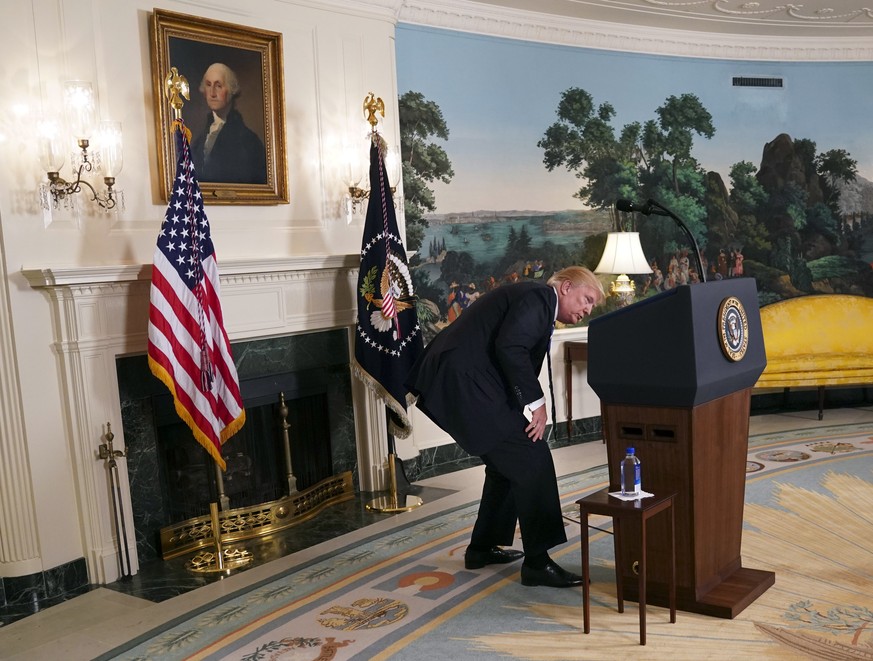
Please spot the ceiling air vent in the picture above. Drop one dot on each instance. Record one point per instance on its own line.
(756, 81)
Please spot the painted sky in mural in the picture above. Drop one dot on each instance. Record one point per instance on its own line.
(498, 96)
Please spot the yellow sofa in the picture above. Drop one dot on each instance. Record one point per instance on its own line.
(818, 341)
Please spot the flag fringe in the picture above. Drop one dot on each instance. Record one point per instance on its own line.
(377, 389)
(233, 427)
(214, 452)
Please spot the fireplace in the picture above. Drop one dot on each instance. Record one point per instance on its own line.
(172, 478)
(100, 318)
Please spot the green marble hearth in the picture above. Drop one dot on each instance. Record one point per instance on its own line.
(171, 476)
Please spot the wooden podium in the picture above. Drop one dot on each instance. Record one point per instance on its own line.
(674, 375)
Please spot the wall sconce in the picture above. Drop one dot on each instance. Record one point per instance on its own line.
(106, 156)
(357, 196)
(623, 254)
(357, 175)
(356, 199)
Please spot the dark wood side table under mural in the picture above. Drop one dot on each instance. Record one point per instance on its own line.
(573, 351)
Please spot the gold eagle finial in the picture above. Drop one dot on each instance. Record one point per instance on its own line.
(372, 105)
(176, 87)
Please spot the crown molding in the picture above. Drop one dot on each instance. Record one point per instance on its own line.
(478, 18)
(377, 9)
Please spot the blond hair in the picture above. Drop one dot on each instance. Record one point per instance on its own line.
(578, 276)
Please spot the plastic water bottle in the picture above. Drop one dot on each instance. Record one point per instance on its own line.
(630, 474)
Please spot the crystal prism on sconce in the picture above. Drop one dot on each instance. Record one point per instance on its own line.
(105, 156)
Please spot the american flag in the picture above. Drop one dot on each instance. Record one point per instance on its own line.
(188, 347)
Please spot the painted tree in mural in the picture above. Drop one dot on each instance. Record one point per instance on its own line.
(669, 172)
(651, 160)
(747, 199)
(836, 166)
(810, 251)
(781, 223)
(423, 161)
(583, 141)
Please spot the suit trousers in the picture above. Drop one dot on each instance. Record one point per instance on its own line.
(520, 486)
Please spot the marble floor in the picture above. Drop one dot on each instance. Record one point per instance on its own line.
(99, 620)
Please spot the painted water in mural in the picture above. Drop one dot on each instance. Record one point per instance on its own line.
(464, 255)
(485, 236)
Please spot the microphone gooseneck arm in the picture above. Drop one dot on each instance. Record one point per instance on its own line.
(688, 234)
(653, 207)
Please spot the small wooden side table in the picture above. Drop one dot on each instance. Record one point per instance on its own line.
(639, 511)
(572, 351)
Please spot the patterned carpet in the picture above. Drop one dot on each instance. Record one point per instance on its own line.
(406, 595)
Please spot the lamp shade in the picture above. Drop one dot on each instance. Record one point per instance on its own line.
(81, 108)
(623, 254)
(50, 145)
(110, 148)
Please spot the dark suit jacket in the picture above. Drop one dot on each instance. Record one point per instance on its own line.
(476, 376)
(237, 157)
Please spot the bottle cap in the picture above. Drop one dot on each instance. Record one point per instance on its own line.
(630, 450)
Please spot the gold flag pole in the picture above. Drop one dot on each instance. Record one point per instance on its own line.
(216, 535)
(220, 560)
(391, 503)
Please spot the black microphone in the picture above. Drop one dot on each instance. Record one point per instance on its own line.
(646, 209)
(652, 207)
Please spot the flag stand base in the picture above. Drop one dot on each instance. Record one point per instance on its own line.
(208, 562)
(221, 560)
(392, 503)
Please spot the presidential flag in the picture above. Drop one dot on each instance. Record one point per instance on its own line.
(388, 337)
(188, 347)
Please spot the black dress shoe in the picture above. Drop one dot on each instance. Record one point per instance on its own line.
(552, 576)
(494, 556)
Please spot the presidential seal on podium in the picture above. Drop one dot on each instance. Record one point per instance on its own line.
(733, 325)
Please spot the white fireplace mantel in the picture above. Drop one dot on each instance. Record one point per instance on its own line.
(101, 312)
(55, 276)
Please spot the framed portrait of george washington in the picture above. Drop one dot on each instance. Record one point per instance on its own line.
(235, 112)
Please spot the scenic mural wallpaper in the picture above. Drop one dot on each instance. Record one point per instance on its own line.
(514, 154)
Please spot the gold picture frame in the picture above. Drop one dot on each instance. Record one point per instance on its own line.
(249, 174)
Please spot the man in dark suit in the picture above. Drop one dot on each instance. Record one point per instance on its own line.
(227, 151)
(479, 381)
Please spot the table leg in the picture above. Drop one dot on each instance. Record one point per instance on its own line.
(586, 588)
(568, 386)
(672, 564)
(642, 581)
(619, 591)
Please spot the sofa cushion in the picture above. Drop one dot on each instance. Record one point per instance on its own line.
(832, 323)
(818, 341)
(826, 362)
(810, 379)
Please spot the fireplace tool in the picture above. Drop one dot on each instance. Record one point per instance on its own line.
(108, 454)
